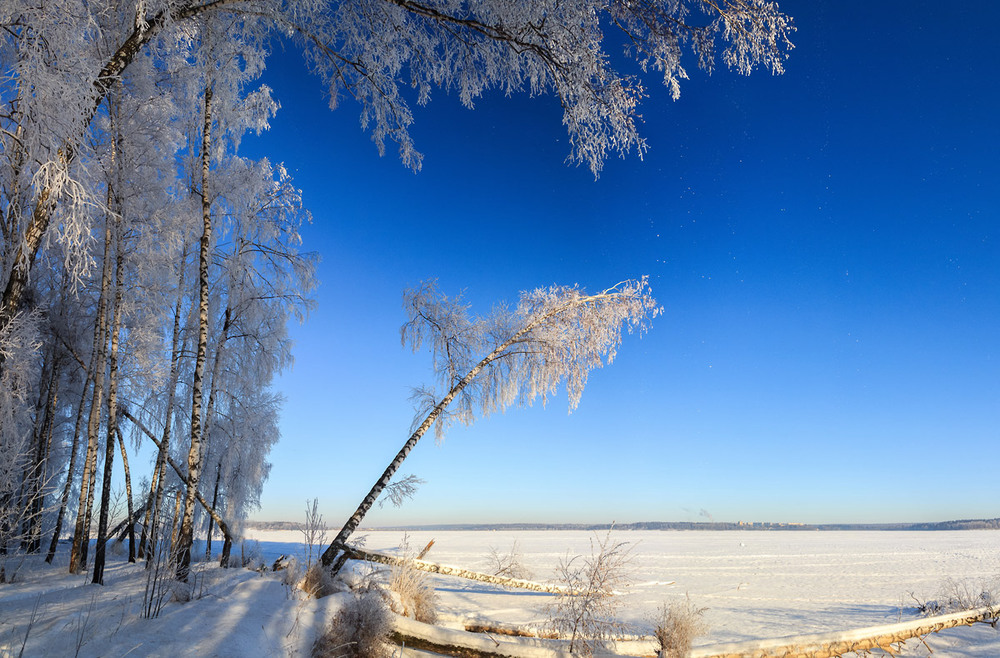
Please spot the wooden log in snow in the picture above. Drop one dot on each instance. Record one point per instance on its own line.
(828, 645)
(457, 572)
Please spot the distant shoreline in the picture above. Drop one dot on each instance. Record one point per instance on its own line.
(963, 524)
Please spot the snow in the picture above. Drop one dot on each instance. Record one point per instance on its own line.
(754, 585)
(233, 612)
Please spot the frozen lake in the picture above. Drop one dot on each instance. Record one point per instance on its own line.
(754, 584)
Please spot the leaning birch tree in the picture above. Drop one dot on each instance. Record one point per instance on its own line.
(484, 365)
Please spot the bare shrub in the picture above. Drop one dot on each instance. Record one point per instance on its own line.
(509, 564)
(84, 631)
(313, 531)
(157, 571)
(679, 623)
(585, 612)
(956, 596)
(359, 630)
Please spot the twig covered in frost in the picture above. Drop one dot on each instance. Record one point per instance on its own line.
(585, 615)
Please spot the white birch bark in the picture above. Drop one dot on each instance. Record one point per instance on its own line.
(186, 535)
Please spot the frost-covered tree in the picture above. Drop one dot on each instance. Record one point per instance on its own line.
(123, 118)
(512, 357)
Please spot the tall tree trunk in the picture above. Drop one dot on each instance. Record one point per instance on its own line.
(194, 454)
(81, 532)
(128, 494)
(227, 548)
(41, 463)
(145, 529)
(109, 444)
(88, 520)
(176, 519)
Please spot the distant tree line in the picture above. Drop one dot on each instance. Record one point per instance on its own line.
(968, 524)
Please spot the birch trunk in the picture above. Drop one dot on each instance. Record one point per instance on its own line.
(211, 521)
(335, 555)
(42, 465)
(109, 445)
(194, 454)
(32, 530)
(209, 416)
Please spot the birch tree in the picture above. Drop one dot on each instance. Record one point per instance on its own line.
(512, 357)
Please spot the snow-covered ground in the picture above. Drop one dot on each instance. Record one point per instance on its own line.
(753, 584)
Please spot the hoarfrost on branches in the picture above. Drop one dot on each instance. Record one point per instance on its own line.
(554, 335)
(400, 491)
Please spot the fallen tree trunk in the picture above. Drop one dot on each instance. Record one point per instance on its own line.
(445, 570)
(862, 640)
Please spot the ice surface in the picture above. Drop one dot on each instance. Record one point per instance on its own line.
(755, 584)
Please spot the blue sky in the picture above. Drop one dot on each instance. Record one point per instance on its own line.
(824, 243)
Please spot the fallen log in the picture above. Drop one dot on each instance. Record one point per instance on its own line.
(829, 645)
(457, 572)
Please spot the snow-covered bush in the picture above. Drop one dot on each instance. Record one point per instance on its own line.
(250, 555)
(359, 630)
(678, 625)
(318, 582)
(956, 596)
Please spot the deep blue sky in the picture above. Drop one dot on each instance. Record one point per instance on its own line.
(825, 245)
